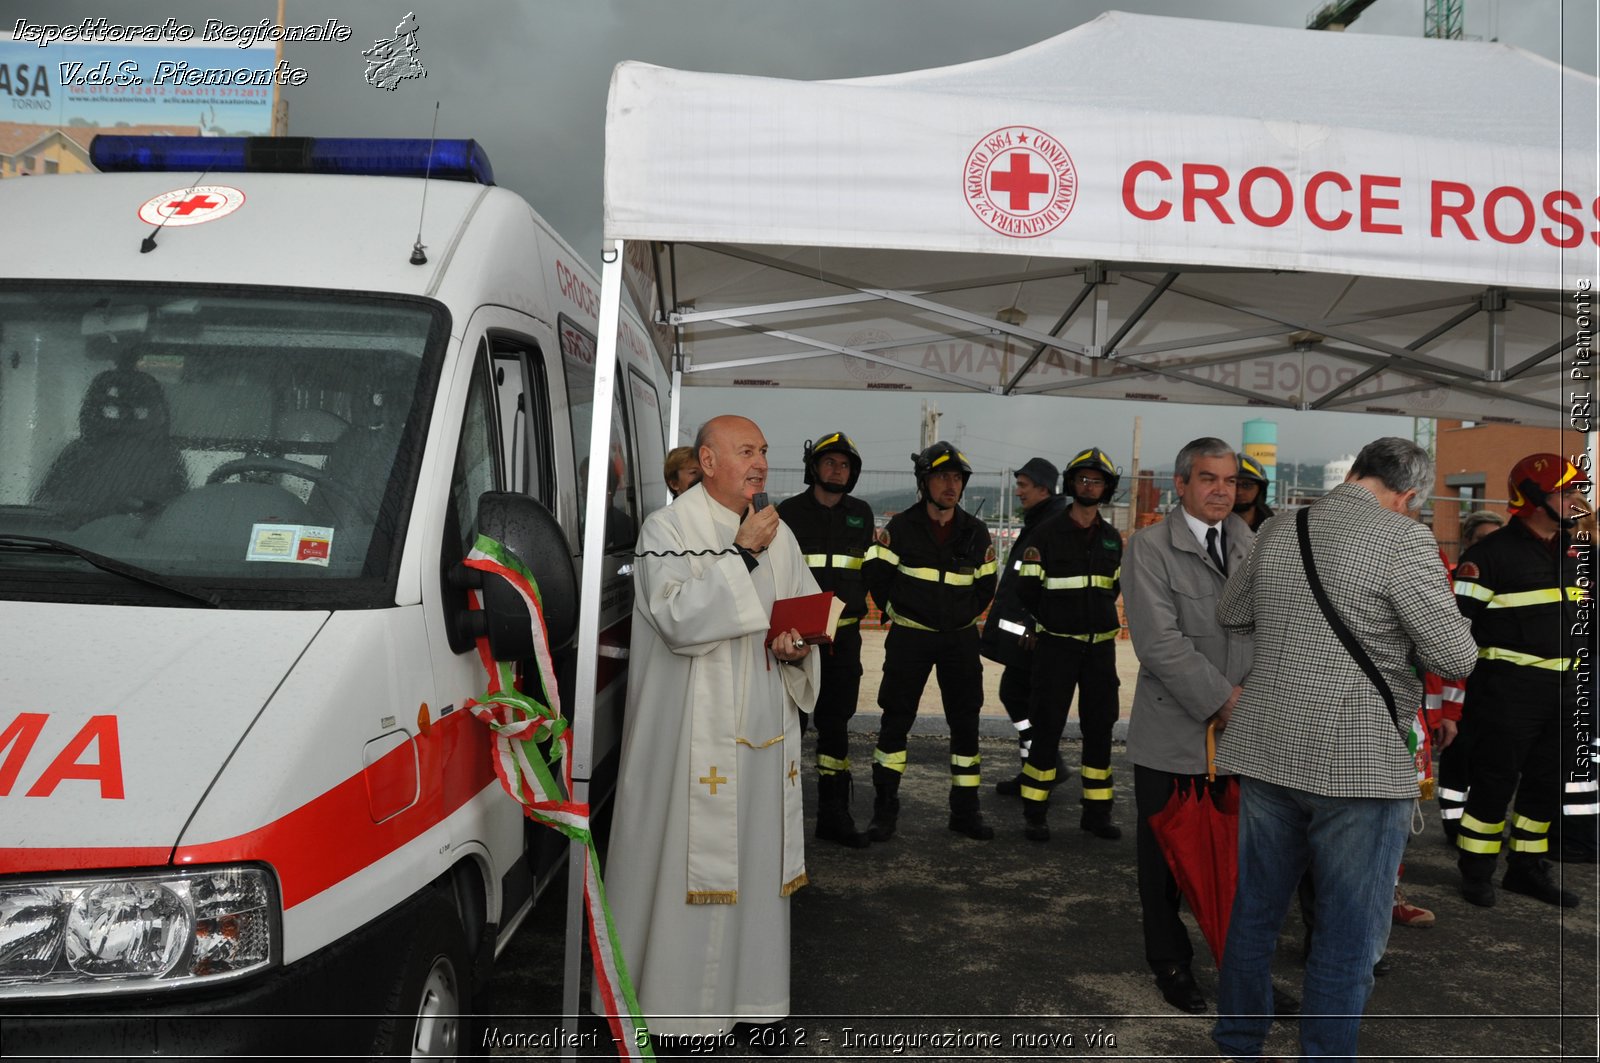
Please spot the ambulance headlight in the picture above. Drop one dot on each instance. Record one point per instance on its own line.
(135, 933)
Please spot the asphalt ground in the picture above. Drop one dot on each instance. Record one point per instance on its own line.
(934, 946)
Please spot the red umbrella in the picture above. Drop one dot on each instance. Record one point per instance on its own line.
(1198, 832)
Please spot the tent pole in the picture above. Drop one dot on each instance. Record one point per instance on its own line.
(583, 693)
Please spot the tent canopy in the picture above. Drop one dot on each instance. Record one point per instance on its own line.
(1140, 208)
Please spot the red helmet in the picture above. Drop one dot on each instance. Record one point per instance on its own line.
(1537, 477)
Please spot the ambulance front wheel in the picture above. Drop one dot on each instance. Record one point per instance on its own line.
(430, 1010)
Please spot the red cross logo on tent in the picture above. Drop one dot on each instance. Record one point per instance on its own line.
(191, 206)
(1020, 182)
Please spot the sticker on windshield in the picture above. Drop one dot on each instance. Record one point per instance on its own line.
(295, 543)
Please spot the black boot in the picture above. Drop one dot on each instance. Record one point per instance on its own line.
(834, 823)
(1011, 787)
(1097, 821)
(1035, 828)
(964, 815)
(1477, 878)
(1529, 875)
(885, 803)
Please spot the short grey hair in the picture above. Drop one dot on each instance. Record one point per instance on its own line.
(1473, 521)
(1399, 464)
(1204, 447)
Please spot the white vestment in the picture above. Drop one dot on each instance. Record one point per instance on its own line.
(707, 839)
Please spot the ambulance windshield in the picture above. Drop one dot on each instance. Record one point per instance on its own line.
(255, 444)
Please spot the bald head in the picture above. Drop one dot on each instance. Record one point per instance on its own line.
(733, 459)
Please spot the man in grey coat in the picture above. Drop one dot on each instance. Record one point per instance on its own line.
(1327, 781)
(1190, 671)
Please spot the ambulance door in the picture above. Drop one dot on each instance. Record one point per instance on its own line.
(503, 443)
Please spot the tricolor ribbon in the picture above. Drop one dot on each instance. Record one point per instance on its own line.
(521, 722)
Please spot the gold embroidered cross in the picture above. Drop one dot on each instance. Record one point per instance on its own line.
(793, 771)
(713, 780)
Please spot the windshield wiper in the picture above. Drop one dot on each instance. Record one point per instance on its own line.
(108, 564)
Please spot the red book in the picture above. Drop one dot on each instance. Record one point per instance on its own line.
(815, 616)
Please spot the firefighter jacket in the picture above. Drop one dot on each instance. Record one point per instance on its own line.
(1071, 577)
(1008, 620)
(835, 540)
(922, 584)
(1521, 594)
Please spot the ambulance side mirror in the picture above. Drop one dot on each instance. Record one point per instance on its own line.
(530, 532)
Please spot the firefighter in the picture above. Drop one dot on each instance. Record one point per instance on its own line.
(1008, 635)
(1251, 500)
(835, 531)
(932, 572)
(1070, 581)
(1518, 589)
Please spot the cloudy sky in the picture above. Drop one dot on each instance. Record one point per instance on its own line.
(528, 79)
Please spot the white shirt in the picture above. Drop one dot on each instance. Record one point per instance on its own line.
(1199, 527)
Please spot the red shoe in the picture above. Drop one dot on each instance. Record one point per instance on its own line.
(1406, 914)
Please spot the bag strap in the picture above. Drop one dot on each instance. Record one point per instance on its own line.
(1354, 648)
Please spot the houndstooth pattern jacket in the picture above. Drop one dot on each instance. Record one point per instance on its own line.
(1309, 718)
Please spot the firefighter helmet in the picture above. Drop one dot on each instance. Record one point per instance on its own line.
(832, 443)
(941, 457)
(1098, 460)
(1250, 469)
(1537, 477)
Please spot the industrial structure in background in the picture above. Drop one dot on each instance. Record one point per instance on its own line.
(1440, 18)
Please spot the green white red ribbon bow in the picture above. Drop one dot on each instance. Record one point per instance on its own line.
(520, 722)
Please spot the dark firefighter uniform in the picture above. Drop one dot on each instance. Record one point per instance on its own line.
(1008, 633)
(835, 540)
(1070, 581)
(1520, 593)
(932, 583)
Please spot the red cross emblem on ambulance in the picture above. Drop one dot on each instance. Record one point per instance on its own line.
(1020, 181)
(191, 206)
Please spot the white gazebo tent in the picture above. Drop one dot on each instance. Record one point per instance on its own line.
(1142, 208)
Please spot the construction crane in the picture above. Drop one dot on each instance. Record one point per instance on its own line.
(1337, 14)
(1442, 19)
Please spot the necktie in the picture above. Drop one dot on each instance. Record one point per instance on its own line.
(1216, 554)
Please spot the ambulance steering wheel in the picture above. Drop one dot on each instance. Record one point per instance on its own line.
(342, 495)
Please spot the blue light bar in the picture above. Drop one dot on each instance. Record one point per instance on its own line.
(449, 160)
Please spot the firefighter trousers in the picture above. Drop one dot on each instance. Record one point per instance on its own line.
(836, 698)
(1516, 748)
(909, 656)
(1060, 666)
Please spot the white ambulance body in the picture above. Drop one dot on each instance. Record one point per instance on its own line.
(243, 439)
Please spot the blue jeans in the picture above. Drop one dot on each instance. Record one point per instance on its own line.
(1353, 846)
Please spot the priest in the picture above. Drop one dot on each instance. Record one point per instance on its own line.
(708, 839)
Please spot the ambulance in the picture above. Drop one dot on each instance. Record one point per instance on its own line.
(258, 397)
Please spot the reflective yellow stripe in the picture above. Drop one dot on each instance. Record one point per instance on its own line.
(1103, 636)
(846, 561)
(1031, 793)
(1532, 826)
(1546, 596)
(940, 460)
(929, 574)
(1097, 794)
(815, 560)
(1530, 845)
(1552, 664)
(985, 569)
(962, 579)
(1468, 589)
(1032, 772)
(835, 560)
(882, 553)
(1478, 826)
(1032, 570)
(892, 761)
(896, 618)
(826, 763)
(1095, 773)
(959, 761)
(846, 621)
(1475, 845)
(1072, 583)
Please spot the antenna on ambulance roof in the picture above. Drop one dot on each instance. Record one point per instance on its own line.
(418, 256)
